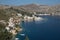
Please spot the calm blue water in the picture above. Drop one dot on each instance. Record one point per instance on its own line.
(47, 29)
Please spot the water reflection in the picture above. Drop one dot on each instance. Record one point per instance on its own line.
(41, 21)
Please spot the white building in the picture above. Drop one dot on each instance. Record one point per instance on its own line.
(19, 15)
(11, 22)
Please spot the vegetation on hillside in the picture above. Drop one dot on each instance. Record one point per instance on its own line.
(4, 34)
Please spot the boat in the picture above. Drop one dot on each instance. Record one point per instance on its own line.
(22, 34)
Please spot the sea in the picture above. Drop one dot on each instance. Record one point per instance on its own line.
(46, 29)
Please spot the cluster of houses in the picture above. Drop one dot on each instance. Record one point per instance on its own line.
(35, 18)
(13, 25)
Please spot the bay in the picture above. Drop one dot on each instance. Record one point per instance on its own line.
(47, 29)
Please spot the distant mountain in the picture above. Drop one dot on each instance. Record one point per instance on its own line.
(35, 8)
(40, 8)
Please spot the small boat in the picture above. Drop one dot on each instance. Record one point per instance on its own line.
(22, 34)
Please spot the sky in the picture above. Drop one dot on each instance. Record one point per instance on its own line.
(24, 2)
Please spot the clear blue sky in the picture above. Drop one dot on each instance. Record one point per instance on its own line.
(23, 2)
